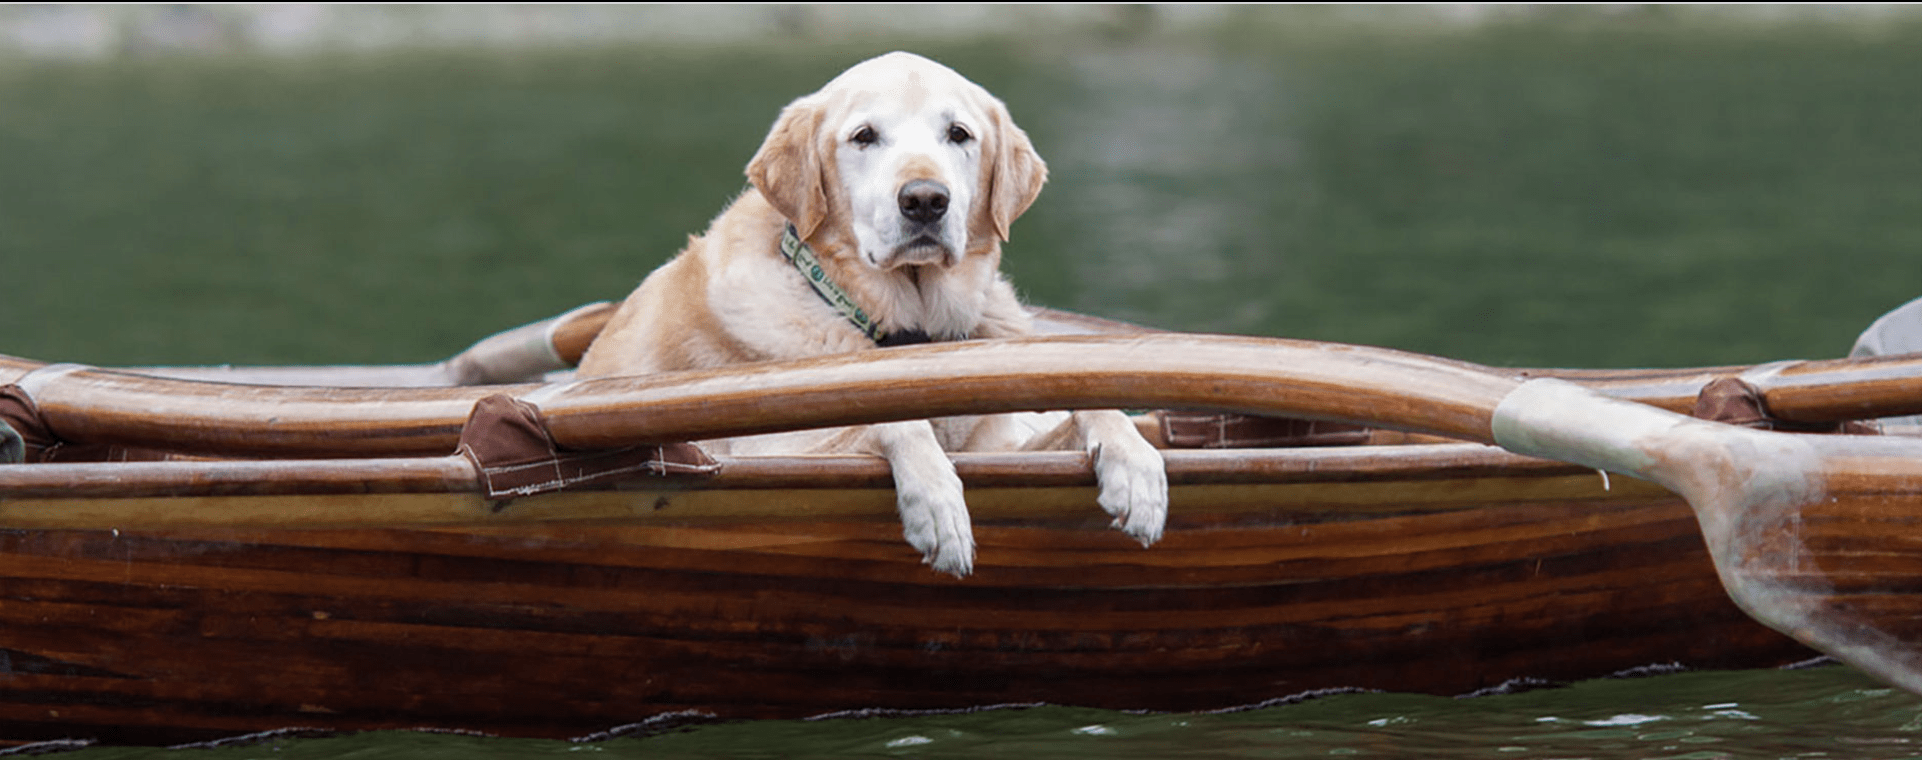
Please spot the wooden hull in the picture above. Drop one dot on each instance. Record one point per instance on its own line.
(159, 602)
(1442, 569)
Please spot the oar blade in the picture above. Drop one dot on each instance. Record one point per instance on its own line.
(1841, 571)
(1816, 536)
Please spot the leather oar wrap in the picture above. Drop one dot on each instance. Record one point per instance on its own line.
(26, 437)
(515, 455)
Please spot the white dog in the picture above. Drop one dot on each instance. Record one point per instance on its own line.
(876, 217)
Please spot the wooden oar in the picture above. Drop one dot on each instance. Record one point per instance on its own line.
(1169, 370)
(1814, 536)
(1820, 391)
(1824, 391)
(1819, 537)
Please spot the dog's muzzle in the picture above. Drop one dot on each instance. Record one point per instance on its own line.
(923, 201)
(924, 204)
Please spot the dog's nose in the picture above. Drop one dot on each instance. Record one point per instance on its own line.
(923, 200)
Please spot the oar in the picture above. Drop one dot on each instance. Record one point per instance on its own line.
(1814, 536)
(1166, 370)
(1819, 537)
(1824, 391)
(1820, 391)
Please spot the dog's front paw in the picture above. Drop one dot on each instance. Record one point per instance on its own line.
(934, 519)
(1134, 486)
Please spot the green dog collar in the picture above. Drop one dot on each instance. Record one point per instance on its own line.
(802, 257)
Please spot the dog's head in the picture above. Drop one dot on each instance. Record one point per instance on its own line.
(918, 165)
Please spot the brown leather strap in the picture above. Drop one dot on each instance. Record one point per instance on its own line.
(508, 442)
(31, 439)
(1738, 402)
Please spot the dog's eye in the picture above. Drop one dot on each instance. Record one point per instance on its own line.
(958, 134)
(864, 136)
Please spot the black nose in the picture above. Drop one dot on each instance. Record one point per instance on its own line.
(923, 200)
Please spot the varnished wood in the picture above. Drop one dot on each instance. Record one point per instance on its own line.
(443, 491)
(1843, 389)
(1829, 390)
(171, 600)
(1254, 375)
(1391, 576)
(99, 406)
(1265, 376)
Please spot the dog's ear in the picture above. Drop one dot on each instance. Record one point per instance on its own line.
(788, 169)
(1015, 173)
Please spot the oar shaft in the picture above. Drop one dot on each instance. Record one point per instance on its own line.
(1250, 375)
(1371, 386)
(1845, 389)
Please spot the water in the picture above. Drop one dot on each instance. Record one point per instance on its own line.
(1638, 192)
(1631, 193)
(1821, 712)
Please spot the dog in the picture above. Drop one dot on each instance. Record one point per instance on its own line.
(874, 216)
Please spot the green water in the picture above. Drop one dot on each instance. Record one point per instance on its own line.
(1825, 712)
(1630, 193)
(1637, 192)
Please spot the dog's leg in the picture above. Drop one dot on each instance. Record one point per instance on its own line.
(934, 516)
(1129, 471)
(1132, 476)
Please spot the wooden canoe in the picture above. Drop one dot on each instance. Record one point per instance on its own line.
(318, 556)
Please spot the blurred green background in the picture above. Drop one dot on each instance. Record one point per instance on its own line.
(1552, 189)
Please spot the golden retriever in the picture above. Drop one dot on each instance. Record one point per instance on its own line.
(876, 215)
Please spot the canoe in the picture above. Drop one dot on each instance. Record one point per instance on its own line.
(197, 553)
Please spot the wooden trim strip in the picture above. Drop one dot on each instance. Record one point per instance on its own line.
(1062, 469)
(1060, 504)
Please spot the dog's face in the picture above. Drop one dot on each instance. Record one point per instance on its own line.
(911, 162)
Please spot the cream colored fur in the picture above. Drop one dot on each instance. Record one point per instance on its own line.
(835, 165)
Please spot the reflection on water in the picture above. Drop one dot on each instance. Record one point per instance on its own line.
(1178, 176)
(1528, 196)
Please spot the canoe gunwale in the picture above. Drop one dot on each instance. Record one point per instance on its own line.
(455, 474)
